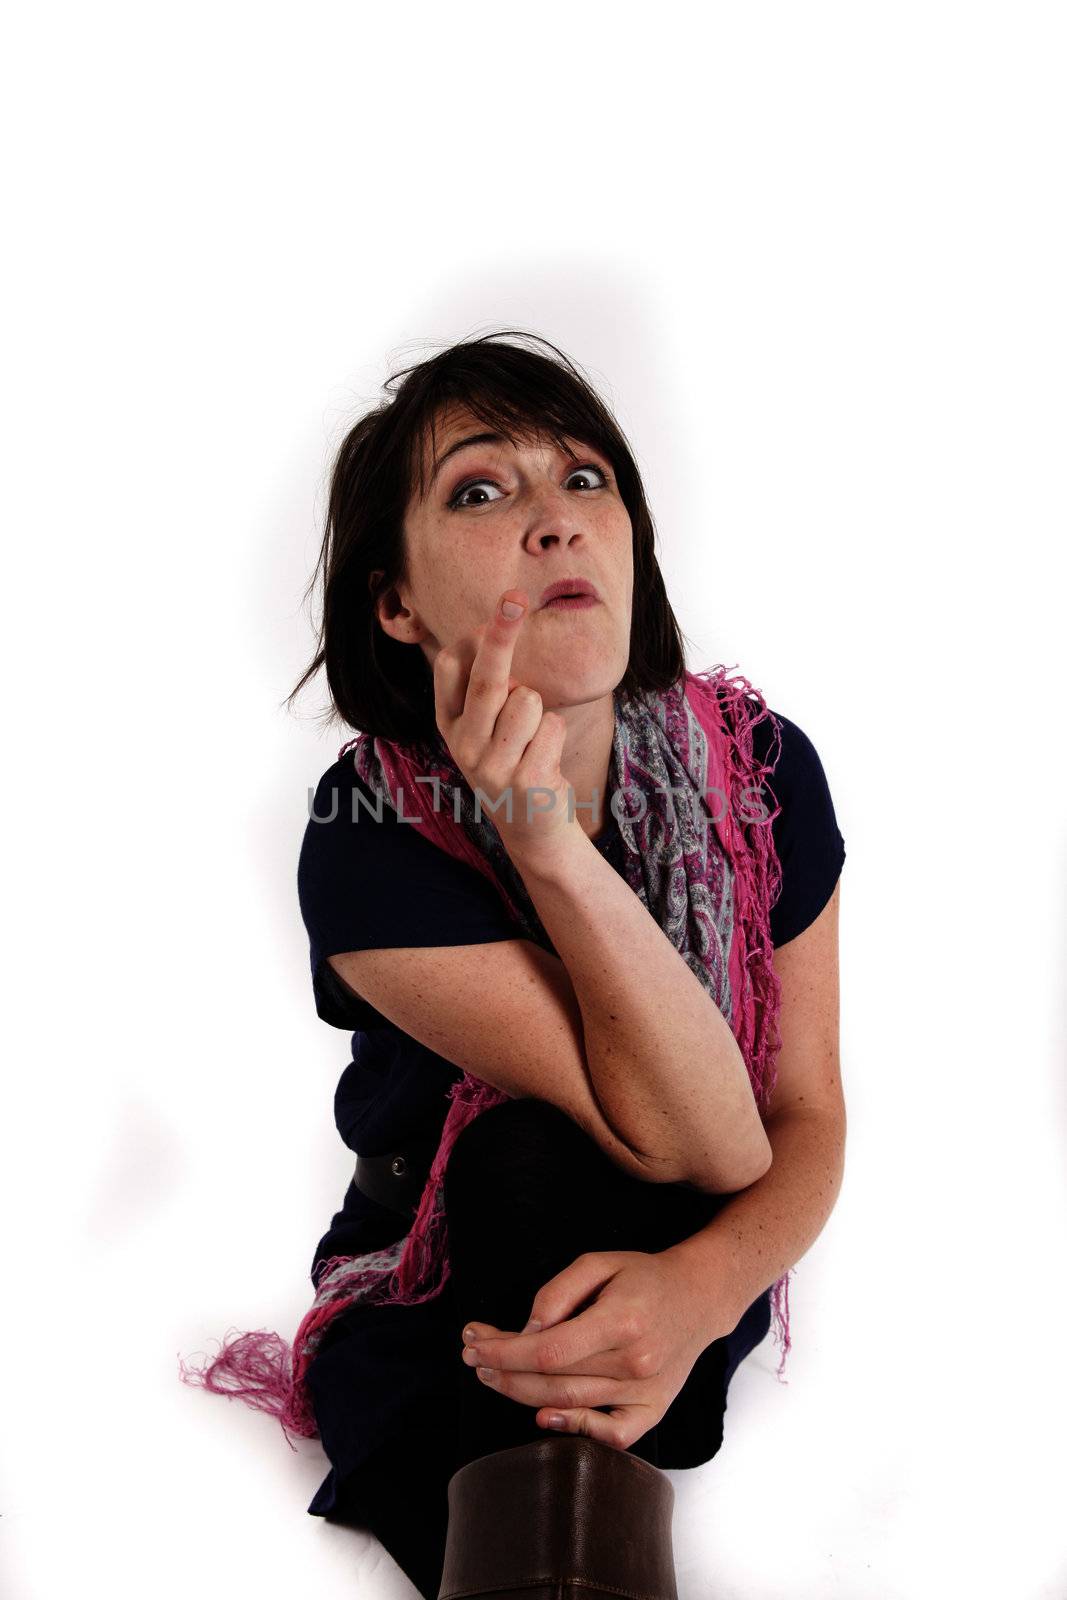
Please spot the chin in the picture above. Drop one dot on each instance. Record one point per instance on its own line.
(573, 682)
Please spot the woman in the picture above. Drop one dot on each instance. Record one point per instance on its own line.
(555, 1124)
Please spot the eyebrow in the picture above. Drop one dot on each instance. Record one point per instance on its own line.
(472, 438)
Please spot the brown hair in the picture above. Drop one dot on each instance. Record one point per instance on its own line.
(377, 684)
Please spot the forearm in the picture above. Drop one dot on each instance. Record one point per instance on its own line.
(663, 1062)
(758, 1234)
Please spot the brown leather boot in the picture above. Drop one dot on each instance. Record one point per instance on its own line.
(565, 1511)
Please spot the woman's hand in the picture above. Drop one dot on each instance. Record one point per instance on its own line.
(631, 1350)
(498, 732)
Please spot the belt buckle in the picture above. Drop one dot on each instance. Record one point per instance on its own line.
(397, 1178)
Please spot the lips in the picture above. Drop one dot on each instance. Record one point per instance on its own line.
(569, 586)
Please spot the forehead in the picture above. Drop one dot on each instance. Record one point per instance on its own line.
(449, 425)
(453, 425)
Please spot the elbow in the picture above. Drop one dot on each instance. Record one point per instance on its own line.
(762, 1164)
(745, 1178)
(728, 1175)
(739, 1177)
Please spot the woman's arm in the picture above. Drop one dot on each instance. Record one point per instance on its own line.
(665, 1067)
(756, 1236)
(655, 1313)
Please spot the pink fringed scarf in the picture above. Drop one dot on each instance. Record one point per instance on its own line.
(702, 822)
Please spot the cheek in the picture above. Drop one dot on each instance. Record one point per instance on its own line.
(622, 547)
(464, 604)
(441, 579)
(619, 526)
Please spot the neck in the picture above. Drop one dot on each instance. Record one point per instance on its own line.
(586, 759)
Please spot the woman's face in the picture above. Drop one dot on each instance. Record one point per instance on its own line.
(497, 516)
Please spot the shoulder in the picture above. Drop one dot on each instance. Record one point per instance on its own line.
(341, 797)
(348, 822)
(367, 879)
(780, 747)
(807, 836)
(786, 748)
(353, 831)
(335, 835)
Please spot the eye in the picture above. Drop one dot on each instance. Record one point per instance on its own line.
(454, 504)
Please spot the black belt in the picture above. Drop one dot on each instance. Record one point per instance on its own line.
(397, 1178)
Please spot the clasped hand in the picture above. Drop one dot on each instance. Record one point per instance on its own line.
(631, 1350)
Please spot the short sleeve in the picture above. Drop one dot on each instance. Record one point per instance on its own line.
(365, 884)
(809, 843)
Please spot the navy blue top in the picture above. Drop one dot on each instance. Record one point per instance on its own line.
(370, 885)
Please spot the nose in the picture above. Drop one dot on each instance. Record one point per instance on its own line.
(546, 538)
(554, 515)
(556, 521)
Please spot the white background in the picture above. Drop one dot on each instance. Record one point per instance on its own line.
(815, 258)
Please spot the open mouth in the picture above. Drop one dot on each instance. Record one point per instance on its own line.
(570, 602)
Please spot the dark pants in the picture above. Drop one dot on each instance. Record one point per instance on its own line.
(526, 1192)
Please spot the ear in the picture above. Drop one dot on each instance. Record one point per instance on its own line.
(396, 619)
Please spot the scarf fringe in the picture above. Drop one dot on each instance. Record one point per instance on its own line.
(755, 862)
(256, 1368)
(263, 1370)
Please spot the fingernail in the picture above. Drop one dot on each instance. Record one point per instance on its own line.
(556, 1421)
(486, 1374)
(533, 1326)
(470, 1335)
(511, 608)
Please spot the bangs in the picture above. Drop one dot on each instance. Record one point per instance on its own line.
(523, 418)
